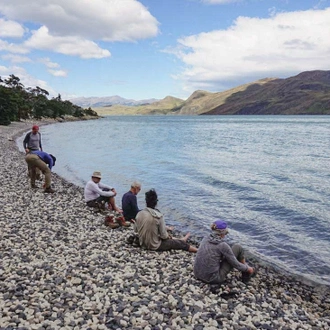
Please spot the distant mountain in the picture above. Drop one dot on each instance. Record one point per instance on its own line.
(86, 102)
(307, 93)
(202, 101)
(161, 107)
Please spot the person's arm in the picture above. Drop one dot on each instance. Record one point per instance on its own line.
(104, 186)
(134, 205)
(98, 189)
(25, 142)
(163, 234)
(40, 146)
(230, 257)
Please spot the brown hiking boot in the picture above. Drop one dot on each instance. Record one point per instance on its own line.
(49, 190)
(122, 222)
(108, 221)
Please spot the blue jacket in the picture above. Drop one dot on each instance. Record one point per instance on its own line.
(44, 157)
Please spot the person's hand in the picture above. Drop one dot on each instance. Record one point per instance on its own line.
(27, 150)
(114, 191)
(132, 220)
(250, 270)
(169, 228)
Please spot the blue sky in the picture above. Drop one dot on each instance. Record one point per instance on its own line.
(154, 48)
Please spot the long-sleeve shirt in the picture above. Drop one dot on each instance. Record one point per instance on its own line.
(150, 226)
(210, 254)
(44, 157)
(32, 141)
(129, 206)
(94, 190)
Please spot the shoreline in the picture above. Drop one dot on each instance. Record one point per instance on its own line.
(61, 267)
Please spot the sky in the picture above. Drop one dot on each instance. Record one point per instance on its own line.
(142, 49)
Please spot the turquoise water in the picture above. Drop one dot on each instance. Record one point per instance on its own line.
(268, 176)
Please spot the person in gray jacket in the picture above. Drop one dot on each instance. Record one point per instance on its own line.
(152, 231)
(215, 258)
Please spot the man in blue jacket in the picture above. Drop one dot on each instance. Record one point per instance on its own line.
(44, 162)
(129, 202)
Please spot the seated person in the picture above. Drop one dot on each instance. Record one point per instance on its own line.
(152, 231)
(215, 258)
(129, 202)
(97, 194)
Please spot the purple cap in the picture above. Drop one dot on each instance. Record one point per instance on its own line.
(220, 224)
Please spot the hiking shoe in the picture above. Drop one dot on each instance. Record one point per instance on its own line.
(112, 225)
(33, 186)
(246, 277)
(215, 288)
(49, 190)
(122, 222)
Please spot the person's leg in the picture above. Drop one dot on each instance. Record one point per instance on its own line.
(175, 244)
(112, 205)
(226, 267)
(30, 160)
(45, 170)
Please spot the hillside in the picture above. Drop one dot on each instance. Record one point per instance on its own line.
(202, 101)
(308, 93)
(161, 107)
(305, 93)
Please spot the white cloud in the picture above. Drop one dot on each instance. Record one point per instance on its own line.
(253, 48)
(12, 48)
(16, 58)
(10, 29)
(25, 78)
(68, 45)
(53, 67)
(49, 63)
(107, 20)
(58, 73)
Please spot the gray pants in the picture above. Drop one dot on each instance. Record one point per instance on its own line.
(226, 267)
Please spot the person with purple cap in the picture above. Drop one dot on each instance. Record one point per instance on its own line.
(215, 258)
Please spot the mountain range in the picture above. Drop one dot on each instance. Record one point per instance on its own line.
(86, 102)
(307, 93)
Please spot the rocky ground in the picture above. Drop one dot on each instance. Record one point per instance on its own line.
(61, 268)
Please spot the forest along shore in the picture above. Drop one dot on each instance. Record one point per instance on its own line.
(61, 267)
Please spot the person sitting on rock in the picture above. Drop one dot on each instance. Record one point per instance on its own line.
(129, 202)
(215, 258)
(152, 231)
(98, 194)
(39, 160)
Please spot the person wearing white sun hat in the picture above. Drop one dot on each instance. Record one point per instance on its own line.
(98, 194)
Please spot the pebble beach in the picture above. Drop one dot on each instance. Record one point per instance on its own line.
(61, 268)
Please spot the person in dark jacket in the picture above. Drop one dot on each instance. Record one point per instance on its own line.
(129, 202)
(44, 162)
(215, 258)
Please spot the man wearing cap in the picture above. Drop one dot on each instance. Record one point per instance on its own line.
(32, 140)
(97, 193)
(39, 160)
(215, 258)
(152, 231)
